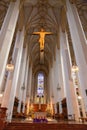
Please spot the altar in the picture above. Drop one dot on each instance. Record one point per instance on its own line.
(40, 114)
(39, 107)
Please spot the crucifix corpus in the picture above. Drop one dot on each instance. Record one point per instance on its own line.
(42, 34)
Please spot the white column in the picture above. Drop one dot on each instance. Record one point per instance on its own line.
(6, 22)
(65, 73)
(22, 84)
(52, 82)
(72, 87)
(59, 88)
(55, 76)
(28, 87)
(33, 88)
(30, 80)
(15, 77)
(6, 96)
(26, 83)
(8, 37)
(19, 78)
(60, 75)
(28, 93)
(55, 79)
(78, 50)
(80, 30)
(48, 93)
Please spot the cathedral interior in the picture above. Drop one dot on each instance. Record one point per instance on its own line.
(43, 60)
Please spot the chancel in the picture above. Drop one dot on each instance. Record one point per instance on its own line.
(43, 64)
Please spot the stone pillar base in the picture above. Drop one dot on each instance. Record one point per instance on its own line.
(2, 117)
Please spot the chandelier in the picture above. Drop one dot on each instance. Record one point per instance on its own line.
(10, 66)
(75, 68)
(1, 95)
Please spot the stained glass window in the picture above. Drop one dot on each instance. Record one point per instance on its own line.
(40, 85)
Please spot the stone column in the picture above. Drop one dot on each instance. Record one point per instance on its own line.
(32, 88)
(6, 96)
(26, 84)
(65, 73)
(55, 80)
(72, 87)
(60, 84)
(52, 84)
(30, 80)
(28, 87)
(80, 30)
(48, 93)
(78, 50)
(6, 22)
(15, 77)
(22, 75)
(7, 41)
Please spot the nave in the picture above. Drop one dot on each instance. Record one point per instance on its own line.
(43, 63)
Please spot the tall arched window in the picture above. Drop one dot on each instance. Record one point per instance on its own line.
(40, 85)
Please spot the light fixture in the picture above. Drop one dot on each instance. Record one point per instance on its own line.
(79, 97)
(75, 68)
(10, 65)
(1, 94)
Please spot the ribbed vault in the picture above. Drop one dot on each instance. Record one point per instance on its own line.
(47, 14)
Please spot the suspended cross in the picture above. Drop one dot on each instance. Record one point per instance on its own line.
(42, 34)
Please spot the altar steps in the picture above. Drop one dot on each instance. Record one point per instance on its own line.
(44, 126)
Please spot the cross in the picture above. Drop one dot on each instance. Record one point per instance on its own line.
(42, 34)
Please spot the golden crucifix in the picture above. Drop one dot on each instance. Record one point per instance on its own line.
(42, 34)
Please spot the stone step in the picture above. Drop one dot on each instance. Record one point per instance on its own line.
(45, 126)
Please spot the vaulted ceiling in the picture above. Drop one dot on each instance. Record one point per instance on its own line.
(47, 14)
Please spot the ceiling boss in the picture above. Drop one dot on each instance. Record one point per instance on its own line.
(42, 34)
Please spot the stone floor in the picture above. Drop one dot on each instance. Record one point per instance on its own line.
(50, 120)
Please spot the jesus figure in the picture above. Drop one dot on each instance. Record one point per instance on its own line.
(42, 34)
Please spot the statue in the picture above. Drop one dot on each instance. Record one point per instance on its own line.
(42, 34)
